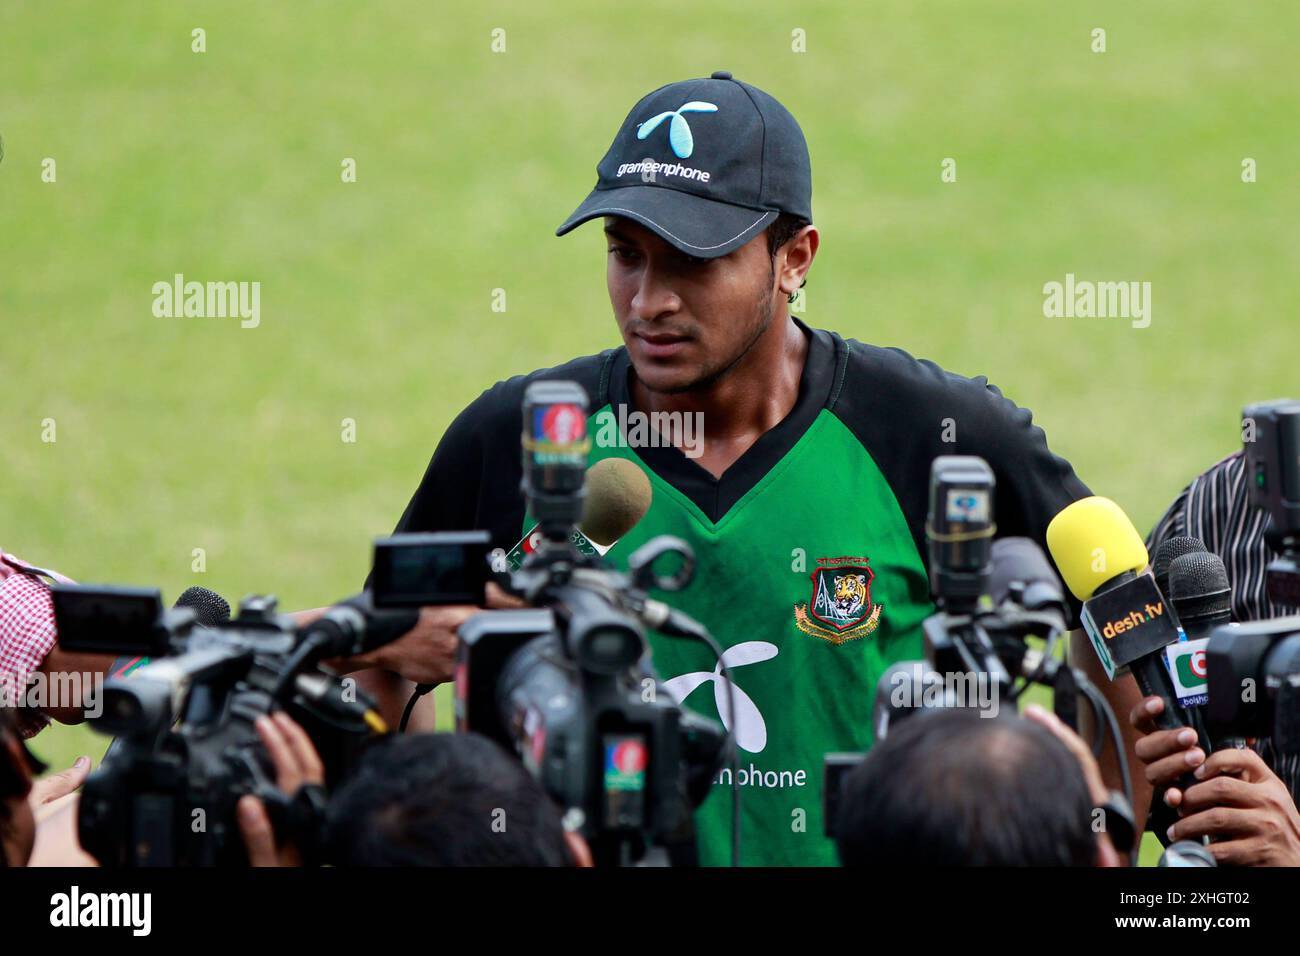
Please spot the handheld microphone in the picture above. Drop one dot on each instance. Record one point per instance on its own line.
(1169, 550)
(1202, 599)
(1200, 593)
(1102, 558)
(618, 495)
(210, 608)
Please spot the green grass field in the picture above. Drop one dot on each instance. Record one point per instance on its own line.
(177, 434)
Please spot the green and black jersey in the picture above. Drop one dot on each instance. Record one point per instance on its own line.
(811, 551)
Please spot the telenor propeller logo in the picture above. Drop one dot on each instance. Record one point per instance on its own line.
(679, 131)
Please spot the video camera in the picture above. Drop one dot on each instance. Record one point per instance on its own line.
(186, 747)
(1254, 668)
(1271, 442)
(991, 598)
(567, 683)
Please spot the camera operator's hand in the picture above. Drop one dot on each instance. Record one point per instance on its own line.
(1244, 806)
(426, 654)
(1166, 754)
(58, 785)
(296, 764)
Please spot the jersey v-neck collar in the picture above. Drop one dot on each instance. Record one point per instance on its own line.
(822, 376)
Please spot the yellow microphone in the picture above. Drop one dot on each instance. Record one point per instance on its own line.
(1102, 559)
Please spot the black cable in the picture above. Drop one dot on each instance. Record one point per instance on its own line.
(420, 691)
(1101, 708)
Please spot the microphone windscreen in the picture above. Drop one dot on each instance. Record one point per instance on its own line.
(618, 496)
(1093, 541)
(210, 608)
(1170, 549)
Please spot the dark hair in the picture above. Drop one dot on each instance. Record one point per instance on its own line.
(951, 788)
(443, 800)
(782, 230)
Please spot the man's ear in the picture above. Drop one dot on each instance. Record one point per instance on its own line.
(798, 255)
(578, 849)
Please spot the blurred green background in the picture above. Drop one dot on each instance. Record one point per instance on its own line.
(176, 434)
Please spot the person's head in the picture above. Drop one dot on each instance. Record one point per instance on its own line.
(446, 800)
(706, 198)
(17, 770)
(951, 788)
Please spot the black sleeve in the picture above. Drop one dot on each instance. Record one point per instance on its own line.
(1033, 483)
(472, 482)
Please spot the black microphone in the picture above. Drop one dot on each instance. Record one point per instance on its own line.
(1169, 550)
(210, 608)
(1202, 599)
(1200, 593)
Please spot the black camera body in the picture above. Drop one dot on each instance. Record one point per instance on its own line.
(1272, 462)
(1254, 681)
(186, 747)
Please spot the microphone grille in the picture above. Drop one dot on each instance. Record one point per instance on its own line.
(1197, 574)
(210, 608)
(1169, 550)
(1198, 586)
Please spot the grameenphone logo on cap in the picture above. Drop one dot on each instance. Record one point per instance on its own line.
(679, 131)
(680, 138)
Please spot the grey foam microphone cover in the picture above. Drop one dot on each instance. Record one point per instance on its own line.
(618, 496)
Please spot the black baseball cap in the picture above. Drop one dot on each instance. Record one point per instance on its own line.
(706, 164)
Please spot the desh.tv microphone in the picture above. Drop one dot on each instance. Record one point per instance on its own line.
(1103, 559)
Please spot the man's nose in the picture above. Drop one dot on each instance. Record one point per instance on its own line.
(654, 296)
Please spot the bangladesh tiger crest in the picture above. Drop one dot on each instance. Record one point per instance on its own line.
(841, 608)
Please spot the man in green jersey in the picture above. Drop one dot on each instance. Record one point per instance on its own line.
(796, 463)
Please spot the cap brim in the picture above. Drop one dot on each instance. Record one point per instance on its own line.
(704, 228)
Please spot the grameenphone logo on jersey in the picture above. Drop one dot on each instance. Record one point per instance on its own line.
(680, 139)
(840, 608)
